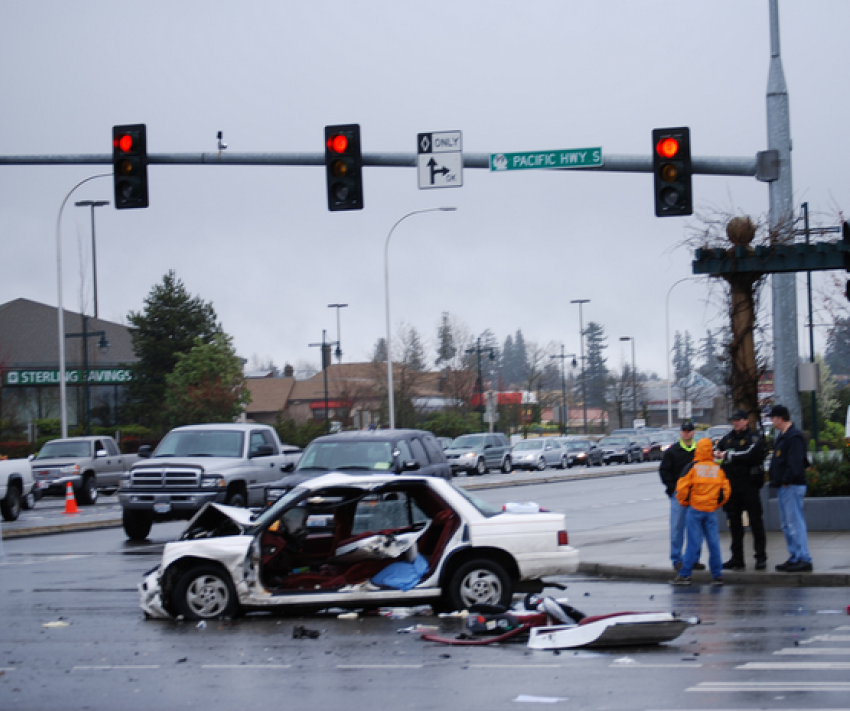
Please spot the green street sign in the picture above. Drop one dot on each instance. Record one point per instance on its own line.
(97, 376)
(549, 160)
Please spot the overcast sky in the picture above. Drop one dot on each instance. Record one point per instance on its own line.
(259, 242)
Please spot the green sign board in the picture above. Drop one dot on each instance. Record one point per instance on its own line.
(550, 160)
(97, 376)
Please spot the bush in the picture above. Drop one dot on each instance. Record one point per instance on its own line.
(829, 476)
(16, 450)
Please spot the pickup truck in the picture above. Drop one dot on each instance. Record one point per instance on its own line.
(91, 464)
(196, 464)
(15, 487)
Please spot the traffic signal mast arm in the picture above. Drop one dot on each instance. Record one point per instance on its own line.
(612, 163)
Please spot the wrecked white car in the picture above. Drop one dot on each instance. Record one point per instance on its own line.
(356, 542)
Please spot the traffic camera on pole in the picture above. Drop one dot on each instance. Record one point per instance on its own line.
(130, 166)
(671, 167)
(344, 165)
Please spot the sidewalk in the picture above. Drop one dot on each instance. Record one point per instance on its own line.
(637, 551)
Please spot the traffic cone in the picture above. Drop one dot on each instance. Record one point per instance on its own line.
(70, 501)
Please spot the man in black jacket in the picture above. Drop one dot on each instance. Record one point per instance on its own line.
(788, 474)
(741, 453)
(673, 464)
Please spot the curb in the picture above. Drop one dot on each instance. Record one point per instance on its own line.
(808, 580)
(69, 527)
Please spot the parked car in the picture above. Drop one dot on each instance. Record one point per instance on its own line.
(650, 451)
(621, 449)
(665, 439)
(539, 453)
(16, 487)
(478, 453)
(718, 432)
(357, 541)
(582, 452)
(372, 451)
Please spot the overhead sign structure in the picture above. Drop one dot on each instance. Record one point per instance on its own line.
(440, 160)
(549, 160)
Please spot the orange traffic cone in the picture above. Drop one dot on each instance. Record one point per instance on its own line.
(70, 501)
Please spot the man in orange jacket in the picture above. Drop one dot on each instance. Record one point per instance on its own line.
(704, 488)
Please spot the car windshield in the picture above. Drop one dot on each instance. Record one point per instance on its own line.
(64, 450)
(577, 445)
(529, 444)
(467, 442)
(201, 443)
(483, 507)
(614, 441)
(328, 456)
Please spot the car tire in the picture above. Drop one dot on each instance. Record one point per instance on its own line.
(137, 524)
(28, 501)
(205, 592)
(480, 581)
(481, 467)
(237, 498)
(88, 491)
(10, 506)
(541, 464)
(507, 466)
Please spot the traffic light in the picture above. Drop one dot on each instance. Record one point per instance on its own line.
(344, 167)
(671, 167)
(130, 166)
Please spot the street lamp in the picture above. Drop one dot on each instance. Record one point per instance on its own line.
(103, 346)
(477, 350)
(564, 417)
(581, 343)
(93, 204)
(325, 345)
(390, 394)
(634, 377)
(338, 351)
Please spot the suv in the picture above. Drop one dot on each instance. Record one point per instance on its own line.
(373, 451)
(478, 453)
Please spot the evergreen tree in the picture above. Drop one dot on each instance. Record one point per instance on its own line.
(446, 348)
(709, 352)
(683, 356)
(838, 347)
(379, 352)
(596, 370)
(171, 323)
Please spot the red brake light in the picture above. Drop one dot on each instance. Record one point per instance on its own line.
(563, 538)
(667, 147)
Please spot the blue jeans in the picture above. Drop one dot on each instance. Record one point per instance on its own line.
(794, 522)
(677, 530)
(702, 524)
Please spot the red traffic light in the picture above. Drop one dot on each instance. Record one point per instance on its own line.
(667, 147)
(124, 143)
(338, 143)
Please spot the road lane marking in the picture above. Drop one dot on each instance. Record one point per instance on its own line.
(814, 650)
(630, 665)
(771, 686)
(516, 666)
(109, 667)
(379, 666)
(246, 666)
(794, 666)
(827, 638)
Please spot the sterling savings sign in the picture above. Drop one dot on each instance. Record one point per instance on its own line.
(96, 376)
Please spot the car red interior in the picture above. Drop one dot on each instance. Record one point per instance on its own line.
(345, 537)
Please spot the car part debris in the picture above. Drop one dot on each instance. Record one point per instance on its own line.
(301, 632)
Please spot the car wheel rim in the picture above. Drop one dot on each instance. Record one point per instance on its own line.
(481, 587)
(207, 596)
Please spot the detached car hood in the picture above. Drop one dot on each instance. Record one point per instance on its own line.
(216, 521)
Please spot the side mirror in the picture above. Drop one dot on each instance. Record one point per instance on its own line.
(31, 457)
(100, 453)
(264, 450)
(410, 466)
(144, 451)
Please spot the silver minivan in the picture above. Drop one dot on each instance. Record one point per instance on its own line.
(479, 453)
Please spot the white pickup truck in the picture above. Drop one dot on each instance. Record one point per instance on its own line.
(16, 486)
(196, 464)
(91, 464)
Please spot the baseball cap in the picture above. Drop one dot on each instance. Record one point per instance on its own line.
(780, 411)
(688, 426)
(739, 415)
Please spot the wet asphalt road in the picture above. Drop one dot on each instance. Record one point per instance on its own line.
(783, 648)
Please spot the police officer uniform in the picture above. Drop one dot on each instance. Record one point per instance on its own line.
(743, 454)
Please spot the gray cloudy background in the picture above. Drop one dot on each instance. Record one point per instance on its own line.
(259, 243)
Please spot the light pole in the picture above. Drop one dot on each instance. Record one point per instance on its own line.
(338, 352)
(390, 394)
(93, 204)
(564, 417)
(634, 377)
(60, 312)
(667, 345)
(325, 345)
(581, 350)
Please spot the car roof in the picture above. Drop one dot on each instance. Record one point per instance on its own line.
(240, 426)
(371, 435)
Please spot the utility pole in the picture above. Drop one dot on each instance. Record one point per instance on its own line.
(580, 302)
(325, 345)
(564, 417)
